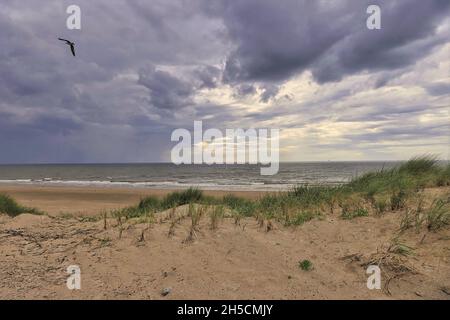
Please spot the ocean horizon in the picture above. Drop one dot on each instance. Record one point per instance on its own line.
(207, 177)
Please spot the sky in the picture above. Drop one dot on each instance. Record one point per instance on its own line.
(311, 68)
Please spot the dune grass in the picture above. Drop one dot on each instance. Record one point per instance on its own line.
(10, 207)
(180, 198)
(415, 174)
(152, 204)
(435, 217)
(305, 265)
(438, 215)
(216, 215)
(374, 192)
(358, 212)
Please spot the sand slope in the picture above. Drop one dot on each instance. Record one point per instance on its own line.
(234, 262)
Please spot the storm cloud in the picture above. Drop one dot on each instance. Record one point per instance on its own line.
(310, 68)
(276, 40)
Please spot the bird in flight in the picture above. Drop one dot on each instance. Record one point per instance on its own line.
(71, 44)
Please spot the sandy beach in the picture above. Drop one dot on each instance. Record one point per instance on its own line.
(78, 201)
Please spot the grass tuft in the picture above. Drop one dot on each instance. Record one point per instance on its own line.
(240, 206)
(438, 215)
(435, 217)
(350, 214)
(177, 198)
(152, 204)
(9, 206)
(420, 165)
(305, 265)
(216, 215)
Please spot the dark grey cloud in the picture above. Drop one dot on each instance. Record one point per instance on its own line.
(269, 92)
(277, 40)
(438, 88)
(166, 91)
(47, 93)
(245, 90)
(207, 76)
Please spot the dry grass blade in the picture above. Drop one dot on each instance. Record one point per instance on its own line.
(269, 226)
(174, 220)
(119, 223)
(392, 261)
(216, 215)
(195, 214)
(105, 214)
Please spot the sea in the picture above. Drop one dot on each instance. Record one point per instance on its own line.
(171, 176)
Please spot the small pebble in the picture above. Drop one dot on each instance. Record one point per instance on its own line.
(166, 291)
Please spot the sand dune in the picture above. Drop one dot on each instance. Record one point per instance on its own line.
(233, 262)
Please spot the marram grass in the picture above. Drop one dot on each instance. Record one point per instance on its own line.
(380, 191)
(374, 192)
(10, 207)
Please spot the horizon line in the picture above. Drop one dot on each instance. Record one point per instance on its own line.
(202, 164)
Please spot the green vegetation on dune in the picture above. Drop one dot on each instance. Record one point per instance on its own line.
(153, 204)
(374, 192)
(415, 174)
(180, 198)
(241, 206)
(10, 207)
(305, 265)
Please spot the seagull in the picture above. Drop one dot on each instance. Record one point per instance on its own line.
(71, 44)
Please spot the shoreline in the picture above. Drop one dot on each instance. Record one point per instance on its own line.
(170, 186)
